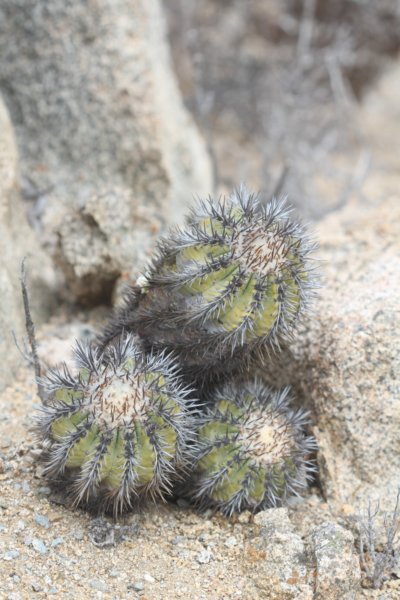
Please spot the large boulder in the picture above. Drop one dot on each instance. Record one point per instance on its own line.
(102, 132)
(345, 363)
(16, 241)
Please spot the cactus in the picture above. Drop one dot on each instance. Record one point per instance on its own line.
(230, 285)
(252, 450)
(118, 430)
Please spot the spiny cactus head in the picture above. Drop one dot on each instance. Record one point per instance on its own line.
(252, 450)
(239, 275)
(118, 429)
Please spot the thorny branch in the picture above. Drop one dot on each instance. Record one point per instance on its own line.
(30, 330)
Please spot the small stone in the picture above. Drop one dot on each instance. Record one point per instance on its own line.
(99, 585)
(176, 540)
(36, 587)
(57, 541)
(11, 555)
(79, 534)
(204, 557)
(25, 487)
(231, 542)
(244, 517)
(43, 521)
(53, 590)
(39, 546)
(44, 491)
(147, 577)
(2, 528)
(20, 525)
(114, 573)
(138, 586)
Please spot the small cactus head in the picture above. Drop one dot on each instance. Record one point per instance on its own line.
(237, 277)
(117, 430)
(252, 450)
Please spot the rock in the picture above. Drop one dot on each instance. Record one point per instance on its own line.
(320, 564)
(109, 154)
(97, 584)
(338, 573)
(11, 555)
(43, 521)
(138, 586)
(16, 241)
(204, 557)
(275, 560)
(39, 546)
(345, 362)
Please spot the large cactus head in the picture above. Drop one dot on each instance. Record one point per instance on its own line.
(118, 429)
(252, 450)
(237, 277)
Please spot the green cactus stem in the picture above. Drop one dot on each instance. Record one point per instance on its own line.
(252, 450)
(232, 284)
(118, 430)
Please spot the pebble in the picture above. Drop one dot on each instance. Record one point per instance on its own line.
(36, 587)
(57, 541)
(149, 578)
(44, 491)
(138, 586)
(204, 557)
(39, 546)
(43, 521)
(25, 487)
(79, 534)
(231, 541)
(20, 525)
(114, 573)
(99, 585)
(11, 554)
(177, 540)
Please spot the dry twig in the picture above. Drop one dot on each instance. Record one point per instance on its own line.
(33, 358)
(378, 562)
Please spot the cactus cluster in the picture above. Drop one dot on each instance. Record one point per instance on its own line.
(221, 294)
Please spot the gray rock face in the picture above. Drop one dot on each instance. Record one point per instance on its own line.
(97, 110)
(16, 241)
(338, 573)
(346, 362)
(281, 572)
(284, 566)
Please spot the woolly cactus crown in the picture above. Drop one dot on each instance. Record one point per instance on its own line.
(119, 429)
